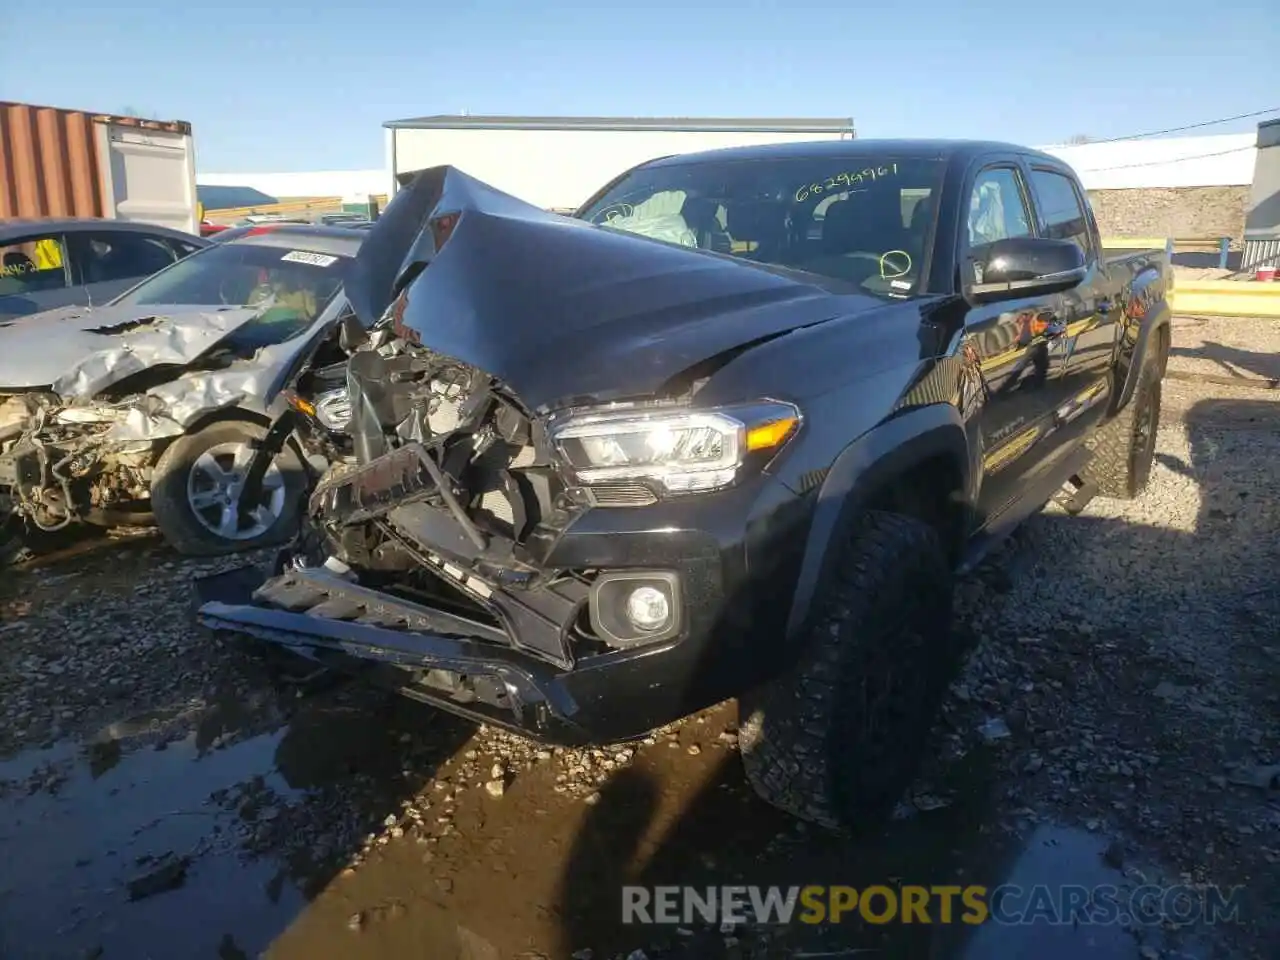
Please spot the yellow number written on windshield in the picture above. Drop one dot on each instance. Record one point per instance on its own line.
(845, 180)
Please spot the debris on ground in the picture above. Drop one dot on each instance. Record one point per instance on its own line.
(169, 874)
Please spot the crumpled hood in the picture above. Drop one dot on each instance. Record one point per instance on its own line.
(80, 351)
(561, 310)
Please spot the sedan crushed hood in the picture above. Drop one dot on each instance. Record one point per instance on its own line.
(560, 310)
(80, 351)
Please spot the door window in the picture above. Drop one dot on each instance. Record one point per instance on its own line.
(32, 265)
(123, 256)
(996, 208)
(1060, 206)
(997, 211)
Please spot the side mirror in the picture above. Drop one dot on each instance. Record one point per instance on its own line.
(351, 333)
(1026, 267)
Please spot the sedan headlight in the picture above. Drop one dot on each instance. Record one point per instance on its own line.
(333, 409)
(685, 451)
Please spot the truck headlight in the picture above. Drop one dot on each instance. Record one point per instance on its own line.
(685, 451)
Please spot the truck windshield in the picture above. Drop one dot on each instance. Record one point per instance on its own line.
(859, 220)
(293, 286)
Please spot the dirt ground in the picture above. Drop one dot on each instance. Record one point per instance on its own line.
(165, 794)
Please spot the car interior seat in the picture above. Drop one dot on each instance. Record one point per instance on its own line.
(759, 222)
(699, 214)
(868, 221)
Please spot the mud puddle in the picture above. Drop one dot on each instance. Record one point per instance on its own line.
(531, 875)
(124, 859)
(233, 840)
(200, 833)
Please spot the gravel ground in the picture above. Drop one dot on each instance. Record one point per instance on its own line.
(1121, 683)
(1227, 349)
(1134, 651)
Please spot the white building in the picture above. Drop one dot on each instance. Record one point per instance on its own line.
(558, 162)
(1224, 160)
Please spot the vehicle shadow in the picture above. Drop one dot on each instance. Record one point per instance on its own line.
(1210, 261)
(1196, 584)
(1233, 360)
(726, 836)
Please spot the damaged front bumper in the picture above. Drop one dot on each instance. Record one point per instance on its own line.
(534, 664)
(432, 655)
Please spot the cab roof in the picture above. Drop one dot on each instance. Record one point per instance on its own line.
(853, 149)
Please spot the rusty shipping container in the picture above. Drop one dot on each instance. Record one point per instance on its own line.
(68, 163)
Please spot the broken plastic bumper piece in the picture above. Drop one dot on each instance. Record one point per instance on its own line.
(437, 656)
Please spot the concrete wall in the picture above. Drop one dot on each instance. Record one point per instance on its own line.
(1172, 211)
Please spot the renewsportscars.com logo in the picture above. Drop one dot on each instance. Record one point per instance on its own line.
(943, 903)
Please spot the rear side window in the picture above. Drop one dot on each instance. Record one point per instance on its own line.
(1060, 207)
(32, 266)
(122, 256)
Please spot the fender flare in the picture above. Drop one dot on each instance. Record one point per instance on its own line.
(1160, 319)
(887, 450)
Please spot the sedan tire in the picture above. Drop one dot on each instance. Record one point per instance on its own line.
(196, 484)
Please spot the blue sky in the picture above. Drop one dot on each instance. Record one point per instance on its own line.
(289, 86)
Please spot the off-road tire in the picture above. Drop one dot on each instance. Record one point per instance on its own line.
(1124, 447)
(812, 744)
(173, 513)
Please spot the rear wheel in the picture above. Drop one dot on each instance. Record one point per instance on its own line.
(196, 486)
(1124, 448)
(839, 738)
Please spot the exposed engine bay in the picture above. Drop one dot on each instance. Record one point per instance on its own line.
(430, 431)
(59, 463)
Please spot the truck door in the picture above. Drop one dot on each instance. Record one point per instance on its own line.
(1089, 311)
(1013, 342)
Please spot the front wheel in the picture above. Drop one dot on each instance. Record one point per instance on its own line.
(838, 739)
(196, 486)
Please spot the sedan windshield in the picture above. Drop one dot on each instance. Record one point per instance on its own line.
(864, 221)
(292, 287)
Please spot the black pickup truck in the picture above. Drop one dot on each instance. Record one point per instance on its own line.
(729, 431)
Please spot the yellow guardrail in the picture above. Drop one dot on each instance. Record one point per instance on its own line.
(1135, 243)
(1226, 298)
(1186, 244)
(305, 205)
(292, 206)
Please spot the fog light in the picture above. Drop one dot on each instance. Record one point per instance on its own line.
(648, 609)
(634, 607)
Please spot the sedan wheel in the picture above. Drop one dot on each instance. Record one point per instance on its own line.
(213, 492)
